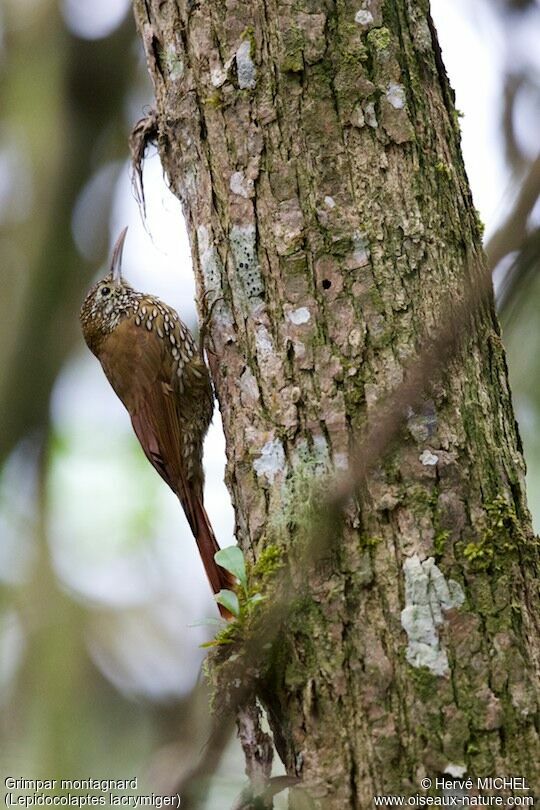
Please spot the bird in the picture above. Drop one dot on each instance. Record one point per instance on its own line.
(156, 369)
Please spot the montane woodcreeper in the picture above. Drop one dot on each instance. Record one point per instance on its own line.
(152, 362)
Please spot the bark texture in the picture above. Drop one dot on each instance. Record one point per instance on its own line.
(315, 148)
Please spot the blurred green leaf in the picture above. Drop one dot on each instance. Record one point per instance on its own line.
(232, 559)
(229, 600)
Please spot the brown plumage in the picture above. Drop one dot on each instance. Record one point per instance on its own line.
(151, 360)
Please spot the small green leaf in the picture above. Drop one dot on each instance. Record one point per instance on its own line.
(215, 642)
(209, 623)
(257, 597)
(232, 559)
(229, 600)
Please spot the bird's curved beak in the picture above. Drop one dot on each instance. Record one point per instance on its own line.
(116, 261)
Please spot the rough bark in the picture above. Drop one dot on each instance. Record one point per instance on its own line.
(315, 148)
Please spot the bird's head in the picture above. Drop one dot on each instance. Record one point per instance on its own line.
(108, 301)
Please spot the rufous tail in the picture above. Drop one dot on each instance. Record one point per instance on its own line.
(207, 544)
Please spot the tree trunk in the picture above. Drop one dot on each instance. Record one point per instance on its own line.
(315, 148)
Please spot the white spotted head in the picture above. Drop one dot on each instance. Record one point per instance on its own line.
(108, 301)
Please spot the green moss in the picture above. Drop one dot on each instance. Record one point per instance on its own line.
(303, 512)
(379, 39)
(439, 542)
(355, 395)
(443, 169)
(456, 115)
(351, 58)
(479, 223)
(269, 562)
(502, 538)
(370, 542)
(249, 33)
(227, 635)
(338, 245)
(214, 100)
(419, 498)
(293, 51)
(305, 649)
(424, 682)
(259, 579)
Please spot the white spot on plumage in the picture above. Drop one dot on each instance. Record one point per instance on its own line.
(149, 325)
(138, 321)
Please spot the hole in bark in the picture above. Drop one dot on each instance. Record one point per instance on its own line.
(326, 283)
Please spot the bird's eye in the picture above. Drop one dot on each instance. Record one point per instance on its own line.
(105, 291)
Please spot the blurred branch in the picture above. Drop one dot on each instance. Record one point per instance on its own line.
(46, 328)
(513, 232)
(513, 83)
(193, 787)
(514, 236)
(258, 748)
(518, 277)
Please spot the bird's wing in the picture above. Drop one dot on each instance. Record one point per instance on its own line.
(137, 365)
(169, 413)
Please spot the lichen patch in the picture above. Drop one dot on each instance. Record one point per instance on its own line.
(395, 93)
(299, 316)
(271, 461)
(363, 17)
(428, 458)
(209, 261)
(244, 250)
(427, 595)
(241, 185)
(370, 115)
(245, 67)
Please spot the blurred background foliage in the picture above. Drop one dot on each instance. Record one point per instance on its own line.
(102, 593)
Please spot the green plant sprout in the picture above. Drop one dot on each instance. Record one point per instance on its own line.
(232, 559)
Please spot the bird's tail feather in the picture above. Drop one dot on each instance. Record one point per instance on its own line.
(207, 544)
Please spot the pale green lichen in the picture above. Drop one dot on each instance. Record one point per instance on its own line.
(171, 62)
(302, 512)
(428, 597)
(379, 39)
